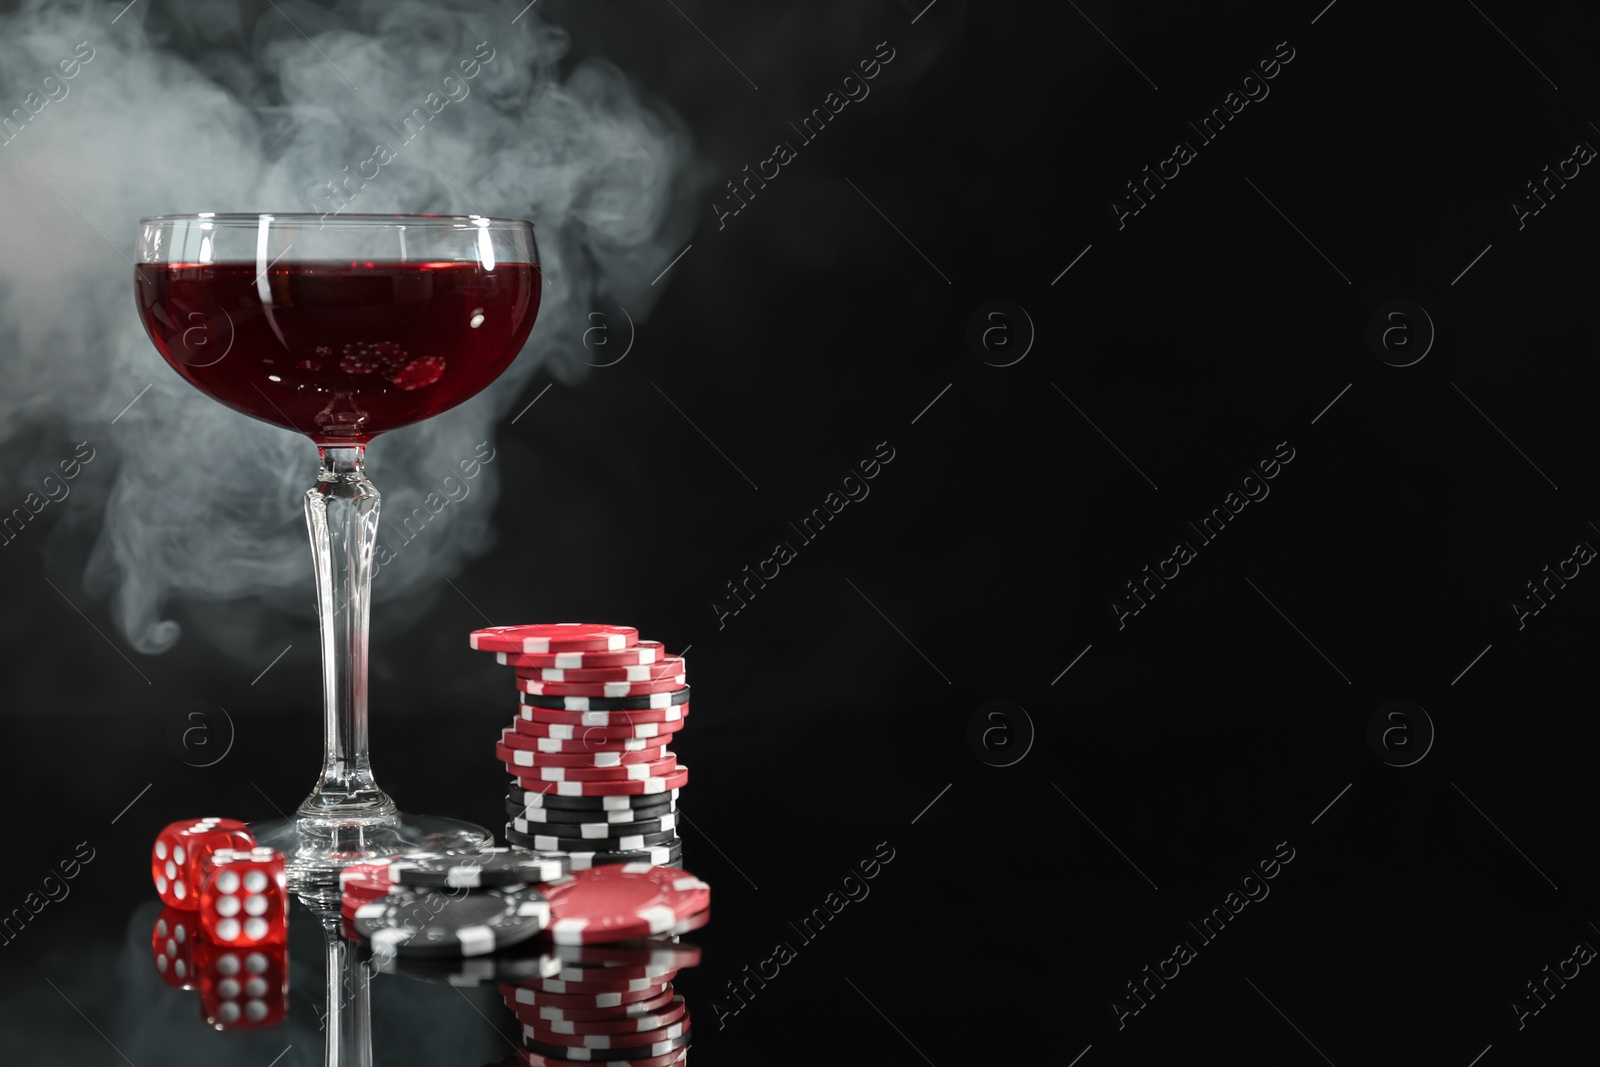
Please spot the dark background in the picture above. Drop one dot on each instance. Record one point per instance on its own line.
(1177, 751)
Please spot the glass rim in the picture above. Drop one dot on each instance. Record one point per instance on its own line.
(254, 218)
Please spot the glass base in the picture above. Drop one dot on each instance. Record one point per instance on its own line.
(315, 851)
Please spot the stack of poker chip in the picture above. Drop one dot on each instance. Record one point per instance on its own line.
(592, 778)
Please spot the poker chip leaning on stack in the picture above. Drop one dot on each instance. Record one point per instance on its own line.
(593, 778)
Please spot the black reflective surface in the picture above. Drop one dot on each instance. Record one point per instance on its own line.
(1220, 846)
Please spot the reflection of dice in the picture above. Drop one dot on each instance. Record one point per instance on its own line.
(242, 988)
(244, 897)
(172, 943)
(180, 849)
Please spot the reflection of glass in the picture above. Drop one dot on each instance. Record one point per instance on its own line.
(341, 329)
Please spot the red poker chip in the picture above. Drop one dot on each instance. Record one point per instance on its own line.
(620, 901)
(632, 1024)
(641, 654)
(665, 667)
(519, 998)
(595, 736)
(636, 1039)
(635, 717)
(670, 684)
(549, 1014)
(369, 881)
(533, 765)
(548, 637)
(622, 788)
(546, 753)
(587, 739)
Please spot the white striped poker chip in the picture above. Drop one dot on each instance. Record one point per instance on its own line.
(613, 769)
(593, 735)
(602, 689)
(641, 654)
(577, 703)
(429, 924)
(556, 746)
(450, 869)
(620, 901)
(608, 719)
(643, 671)
(603, 787)
(541, 799)
(548, 637)
(515, 752)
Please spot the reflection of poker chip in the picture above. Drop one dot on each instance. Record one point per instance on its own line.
(638, 954)
(520, 997)
(627, 1024)
(606, 1039)
(631, 1053)
(515, 965)
(529, 1012)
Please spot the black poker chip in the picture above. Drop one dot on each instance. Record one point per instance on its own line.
(532, 824)
(449, 868)
(639, 703)
(611, 842)
(425, 923)
(590, 816)
(637, 1052)
(523, 798)
(665, 855)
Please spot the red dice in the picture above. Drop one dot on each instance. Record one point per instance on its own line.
(172, 944)
(180, 849)
(242, 989)
(244, 897)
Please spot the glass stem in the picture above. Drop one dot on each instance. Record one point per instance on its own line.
(342, 517)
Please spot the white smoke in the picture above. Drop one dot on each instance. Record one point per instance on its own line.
(188, 105)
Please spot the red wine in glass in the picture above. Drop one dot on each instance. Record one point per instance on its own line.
(340, 329)
(339, 351)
